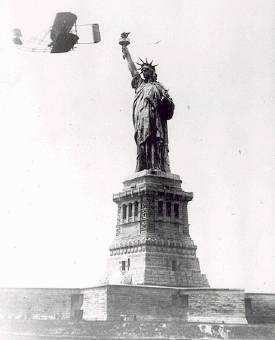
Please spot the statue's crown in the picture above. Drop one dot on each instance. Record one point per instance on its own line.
(147, 64)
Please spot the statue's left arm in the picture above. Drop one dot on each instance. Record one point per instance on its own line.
(167, 105)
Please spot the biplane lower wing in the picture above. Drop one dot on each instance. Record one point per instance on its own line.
(64, 42)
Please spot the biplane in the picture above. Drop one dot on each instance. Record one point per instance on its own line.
(63, 36)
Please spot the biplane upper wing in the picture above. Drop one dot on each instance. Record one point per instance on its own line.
(63, 23)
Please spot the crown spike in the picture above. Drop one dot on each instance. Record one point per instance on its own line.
(141, 60)
(146, 63)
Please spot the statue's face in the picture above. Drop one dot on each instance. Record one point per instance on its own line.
(147, 73)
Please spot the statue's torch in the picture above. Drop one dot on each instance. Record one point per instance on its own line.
(124, 40)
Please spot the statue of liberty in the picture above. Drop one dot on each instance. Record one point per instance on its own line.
(152, 108)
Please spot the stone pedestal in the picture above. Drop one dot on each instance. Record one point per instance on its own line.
(152, 244)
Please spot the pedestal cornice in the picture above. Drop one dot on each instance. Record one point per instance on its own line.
(153, 181)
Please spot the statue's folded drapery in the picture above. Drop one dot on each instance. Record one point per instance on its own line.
(152, 108)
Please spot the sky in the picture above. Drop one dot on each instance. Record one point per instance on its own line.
(67, 136)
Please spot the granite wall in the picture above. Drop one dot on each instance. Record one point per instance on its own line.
(169, 303)
(108, 302)
(37, 303)
(94, 303)
(260, 308)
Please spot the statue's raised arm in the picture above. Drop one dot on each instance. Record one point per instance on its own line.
(152, 108)
(126, 55)
(124, 42)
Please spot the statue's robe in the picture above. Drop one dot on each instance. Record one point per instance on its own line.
(152, 108)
